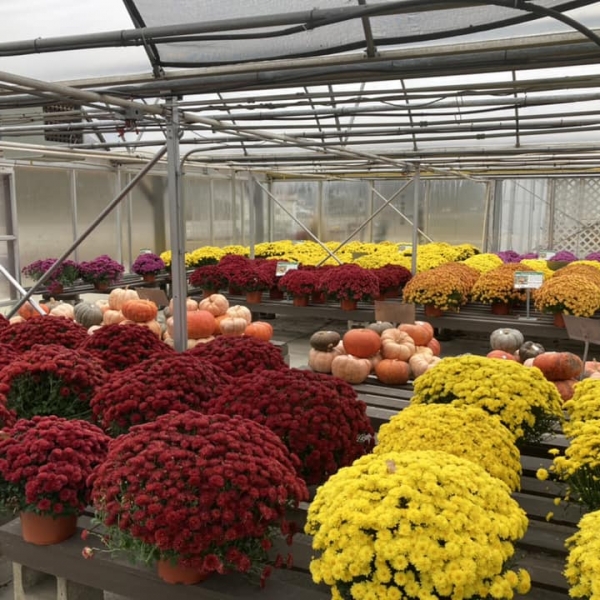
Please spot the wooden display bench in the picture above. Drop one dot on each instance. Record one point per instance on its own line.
(542, 551)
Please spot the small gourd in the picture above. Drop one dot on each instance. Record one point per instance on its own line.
(324, 341)
(529, 350)
(507, 339)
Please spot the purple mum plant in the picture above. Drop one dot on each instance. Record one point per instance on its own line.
(148, 263)
(66, 274)
(103, 269)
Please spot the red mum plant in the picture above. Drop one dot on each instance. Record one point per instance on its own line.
(349, 282)
(7, 354)
(144, 392)
(45, 463)
(230, 264)
(300, 282)
(268, 268)
(121, 346)
(7, 417)
(319, 418)
(51, 380)
(208, 277)
(239, 355)
(4, 322)
(209, 492)
(250, 277)
(392, 278)
(45, 330)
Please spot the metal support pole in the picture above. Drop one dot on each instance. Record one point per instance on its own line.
(252, 191)
(177, 230)
(88, 231)
(415, 231)
(19, 288)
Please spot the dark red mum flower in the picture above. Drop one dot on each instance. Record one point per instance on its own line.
(45, 330)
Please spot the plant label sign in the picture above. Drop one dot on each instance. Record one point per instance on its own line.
(394, 312)
(582, 329)
(546, 254)
(283, 267)
(528, 279)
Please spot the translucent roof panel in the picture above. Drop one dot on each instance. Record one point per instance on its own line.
(296, 28)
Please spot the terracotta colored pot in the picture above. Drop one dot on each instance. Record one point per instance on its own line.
(433, 311)
(348, 304)
(300, 301)
(500, 308)
(254, 297)
(559, 320)
(44, 530)
(173, 573)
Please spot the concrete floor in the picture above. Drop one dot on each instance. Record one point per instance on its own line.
(296, 332)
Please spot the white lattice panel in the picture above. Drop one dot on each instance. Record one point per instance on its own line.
(577, 216)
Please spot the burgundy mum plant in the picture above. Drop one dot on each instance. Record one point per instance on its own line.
(300, 282)
(240, 355)
(121, 346)
(208, 277)
(51, 380)
(391, 277)
(45, 463)
(318, 417)
(102, 269)
(7, 354)
(145, 391)
(206, 491)
(148, 263)
(44, 330)
(349, 282)
(4, 322)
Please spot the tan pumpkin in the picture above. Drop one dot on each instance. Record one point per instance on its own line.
(397, 344)
(392, 371)
(320, 360)
(350, 368)
(139, 310)
(88, 314)
(217, 304)
(16, 319)
(590, 367)
(63, 309)
(420, 333)
(112, 317)
(93, 328)
(375, 360)
(233, 325)
(118, 296)
(190, 305)
(361, 342)
(102, 304)
(421, 362)
(239, 311)
(261, 330)
(154, 326)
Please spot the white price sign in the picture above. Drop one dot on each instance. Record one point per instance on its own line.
(283, 267)
(528, 279)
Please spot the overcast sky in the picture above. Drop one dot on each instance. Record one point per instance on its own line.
(31, 19)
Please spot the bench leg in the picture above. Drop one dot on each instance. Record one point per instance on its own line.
(69, 590)
(24, 579)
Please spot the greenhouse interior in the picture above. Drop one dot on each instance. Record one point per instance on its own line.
(399, 136)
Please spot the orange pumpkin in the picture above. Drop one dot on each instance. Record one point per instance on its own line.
(200, 324)
(361, 342)
(260, 329)
(351, 368)
(26, 311)
(435, 346)
(419, 333)
(392, 371)
(217, 304)
(119, 296)
(397, 344)
(566, 388)
(427, 326)
(139, 310)
(559, 365)
(502, 355)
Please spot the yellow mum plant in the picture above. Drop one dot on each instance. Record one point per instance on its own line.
(468, 432)
(573, 294)
(206, 255)
(585, 269)
(583, 560)
(416, 524)
(585, 403)
(526, 402)
(484, 262)
(579, 468)
(280, 249)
